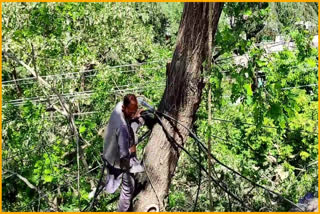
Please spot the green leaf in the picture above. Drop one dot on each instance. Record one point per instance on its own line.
(282, 122)
(311, 62)
(82, 129)
(248, 12)
(92, 125)
(261, 63)
(304, 155)
(249, 100)
(275, 110)
(48, 178)
(249, 90)
(47, 171)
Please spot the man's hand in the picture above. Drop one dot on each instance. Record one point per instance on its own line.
(125, 164)
(132, 149)
(137, 115)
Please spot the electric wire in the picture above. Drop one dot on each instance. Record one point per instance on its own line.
(227, 167)
(79, 72)
(19, 102)
(8, 83)
(172, 141)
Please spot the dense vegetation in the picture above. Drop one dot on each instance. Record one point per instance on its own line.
(265, 117)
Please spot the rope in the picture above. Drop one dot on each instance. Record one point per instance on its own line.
(154, 190)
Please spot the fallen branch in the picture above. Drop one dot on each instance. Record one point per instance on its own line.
(40, 79)
(25, 180)
(66, 111)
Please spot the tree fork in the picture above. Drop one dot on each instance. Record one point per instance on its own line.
(180, 100)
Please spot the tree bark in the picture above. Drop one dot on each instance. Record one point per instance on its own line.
(181, 100)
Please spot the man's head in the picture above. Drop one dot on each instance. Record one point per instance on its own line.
(130, 106)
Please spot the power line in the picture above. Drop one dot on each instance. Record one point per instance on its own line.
(93, 75)
(301, 86)
(176, 145)
(100, 166)
(80, 72)
(222, 120)
(45, 98)
(120, 88)
(229, 121)
(252, 124)
(49, 77)
(205, 149)
(87, 71)
(77, 95)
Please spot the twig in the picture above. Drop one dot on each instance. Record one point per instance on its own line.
(210, 5)
(199, 183)
(315, 162)
(120, 91)
(68, 182)
(25, 180)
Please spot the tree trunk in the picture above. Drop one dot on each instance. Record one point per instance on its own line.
(181, 100)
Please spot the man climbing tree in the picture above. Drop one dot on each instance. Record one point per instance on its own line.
(263, 138)
(180, 100)
(120, 150)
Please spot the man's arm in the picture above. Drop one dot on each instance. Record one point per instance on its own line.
(135, 125)
(145, 118)
(123, 142)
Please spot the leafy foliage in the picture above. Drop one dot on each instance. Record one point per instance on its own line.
(94, 53)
